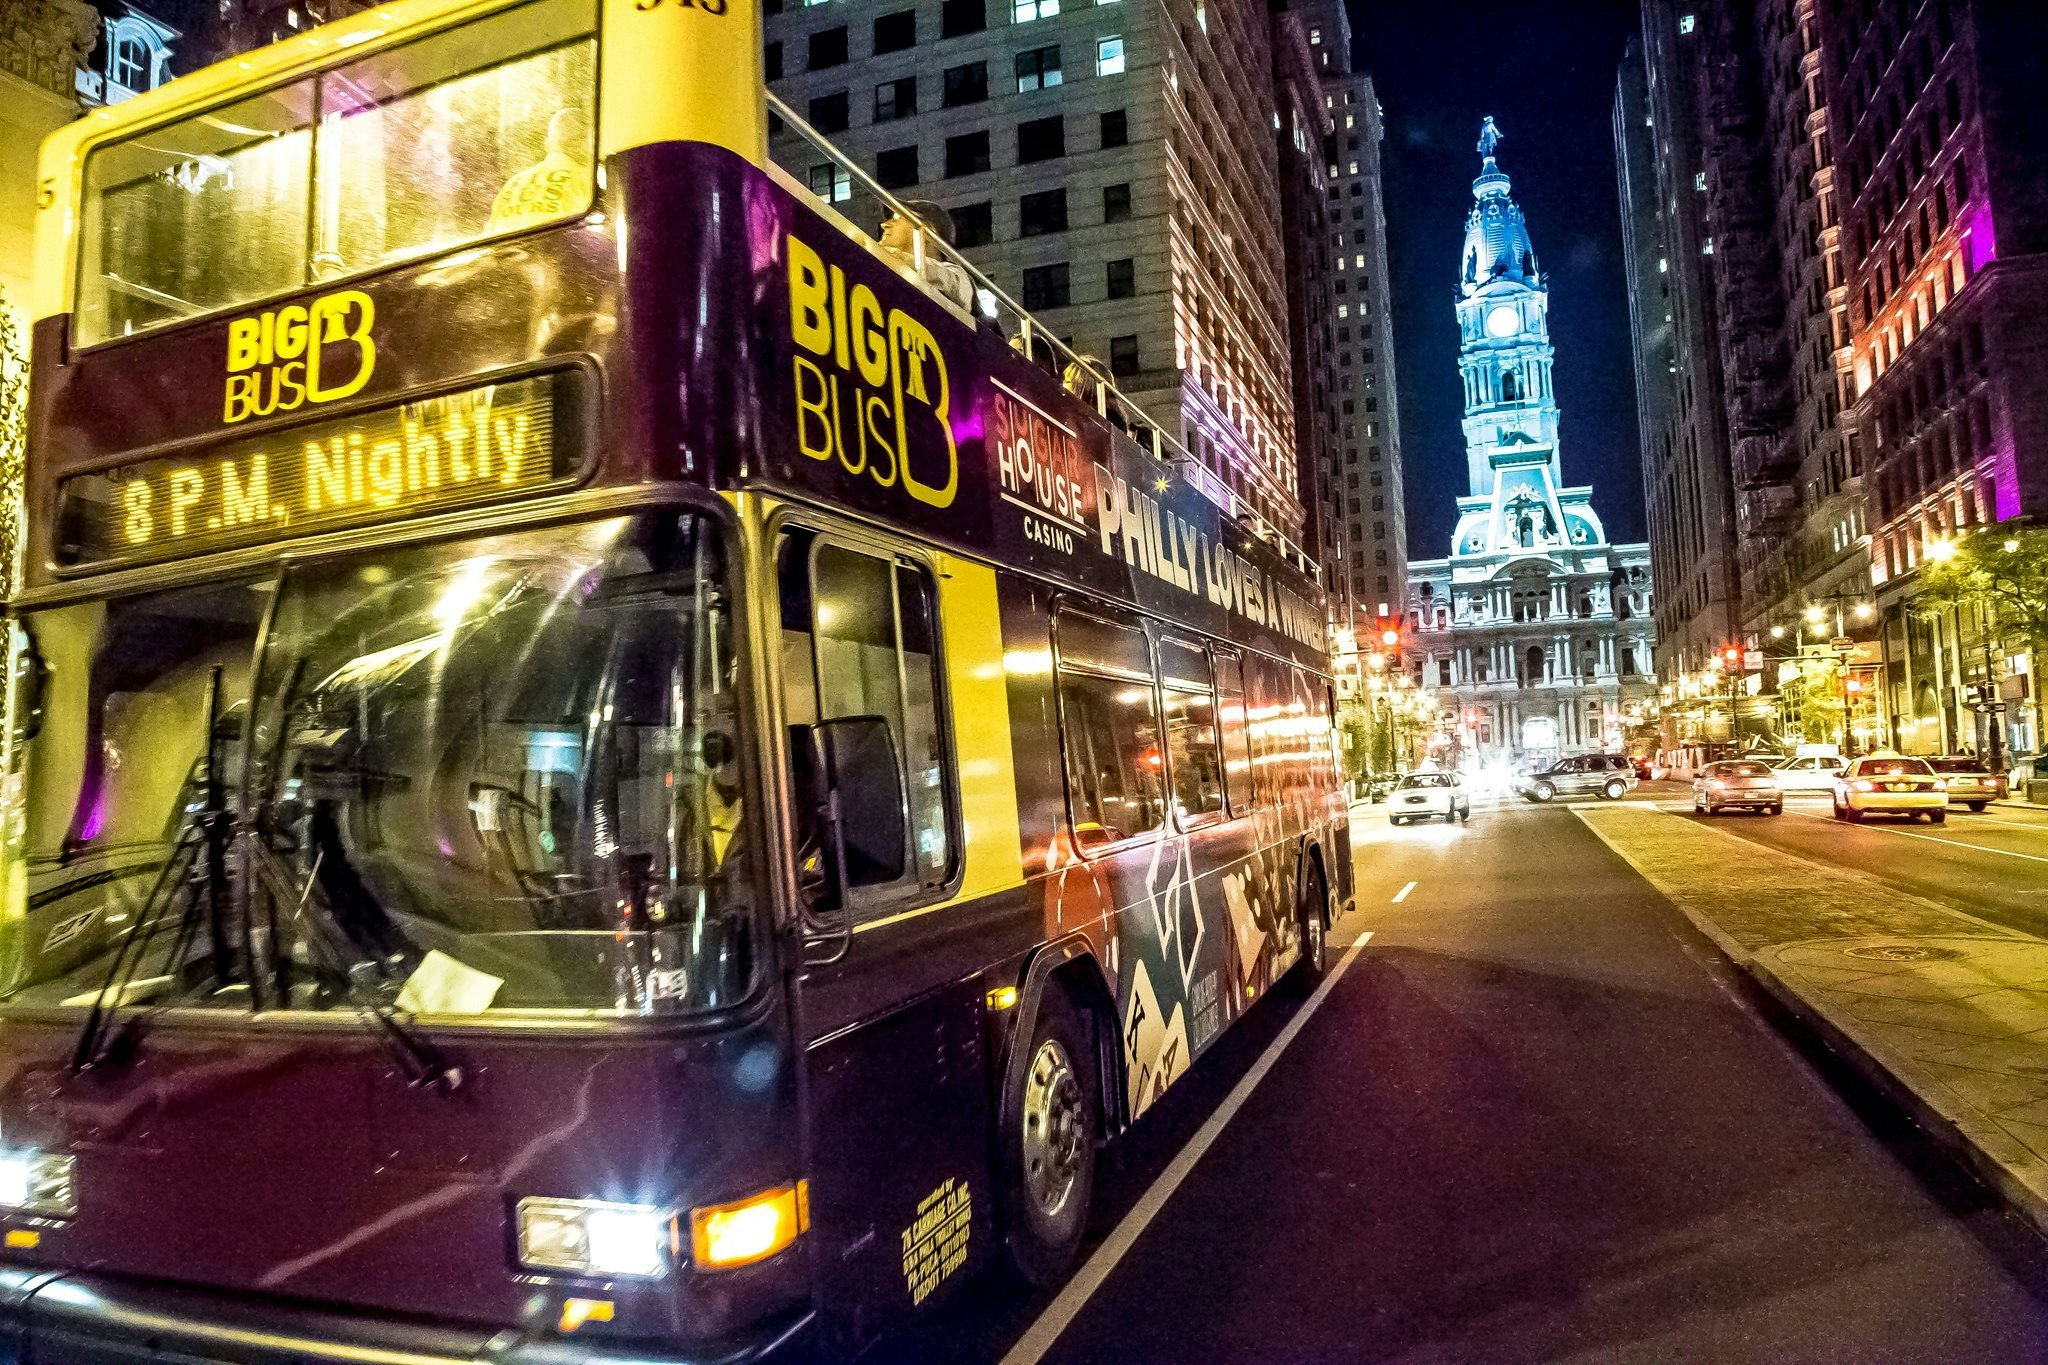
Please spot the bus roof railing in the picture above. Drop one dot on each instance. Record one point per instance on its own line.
(1082, 375)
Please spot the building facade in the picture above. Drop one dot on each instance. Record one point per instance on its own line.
(1301, 128)
(1688, 486)
(1728, 177)
(1368, 454)
(1535, 634)
(1112, 167)
(1945, 218)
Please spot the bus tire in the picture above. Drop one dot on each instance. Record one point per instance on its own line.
(1050, 1124)
(1313, 916)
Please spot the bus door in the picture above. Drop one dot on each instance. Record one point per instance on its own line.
(891, 1001)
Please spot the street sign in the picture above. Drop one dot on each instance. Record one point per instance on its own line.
(1841, 644)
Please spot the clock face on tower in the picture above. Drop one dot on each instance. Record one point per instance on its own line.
(1503, 321)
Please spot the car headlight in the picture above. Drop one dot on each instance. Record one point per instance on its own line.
(591, 1237)
(40, 1183)
(1941, 784)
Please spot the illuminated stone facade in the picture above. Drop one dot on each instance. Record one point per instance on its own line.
(1534, 634)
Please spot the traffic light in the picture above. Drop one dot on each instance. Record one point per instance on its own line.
(1852, 685)
(1387, 629)
(1731, 658)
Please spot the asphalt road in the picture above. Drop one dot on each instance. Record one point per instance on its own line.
(1536, 1118)
(1993, 864)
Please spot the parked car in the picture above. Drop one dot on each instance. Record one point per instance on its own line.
(1888, 784)
(1814, 774)
(1970, 780)
(1743, 782)
(1418, 796)
(1606, 775)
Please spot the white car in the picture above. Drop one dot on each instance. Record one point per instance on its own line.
(1418, 796)
(1813, 775)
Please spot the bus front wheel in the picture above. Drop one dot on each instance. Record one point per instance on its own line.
(1050, 1126)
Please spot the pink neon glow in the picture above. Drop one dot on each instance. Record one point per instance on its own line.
(1980, 239)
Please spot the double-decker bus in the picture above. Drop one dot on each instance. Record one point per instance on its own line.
(601, 765)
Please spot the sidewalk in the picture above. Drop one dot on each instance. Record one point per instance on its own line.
(1946, 1012)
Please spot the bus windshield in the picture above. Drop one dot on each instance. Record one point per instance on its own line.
(496, 774)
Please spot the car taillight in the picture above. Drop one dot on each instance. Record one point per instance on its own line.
(1863, 784)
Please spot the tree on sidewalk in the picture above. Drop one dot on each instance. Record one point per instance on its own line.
(2002, 569)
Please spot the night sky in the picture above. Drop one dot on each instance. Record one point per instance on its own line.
(1546, 73)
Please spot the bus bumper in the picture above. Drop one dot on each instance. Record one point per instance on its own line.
(52, 1318)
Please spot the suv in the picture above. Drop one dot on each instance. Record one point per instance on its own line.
(1606, 775)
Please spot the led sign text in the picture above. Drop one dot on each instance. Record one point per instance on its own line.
(404, 461)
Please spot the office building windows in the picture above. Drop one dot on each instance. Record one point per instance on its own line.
(828, 48)
(967, 153)
(896, 167)
(966, 84)
(1043, 212)
(1041, 139)
(1038, 68)
(1046, 286)
(895, 32)
(827, 113)
(895, 99)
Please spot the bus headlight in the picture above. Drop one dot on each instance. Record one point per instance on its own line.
(38, 1183)
(589, 1237)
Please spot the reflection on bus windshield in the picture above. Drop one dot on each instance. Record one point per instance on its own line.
(495, 774)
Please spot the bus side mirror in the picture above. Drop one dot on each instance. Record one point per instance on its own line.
(853, 820)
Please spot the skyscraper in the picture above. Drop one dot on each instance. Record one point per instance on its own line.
(1110, 166)
(1535, 631)
(1688, 492)
(1368, 479)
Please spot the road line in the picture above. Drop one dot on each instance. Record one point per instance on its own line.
(1061, 1312)
(1402, 894)
(1932, 839)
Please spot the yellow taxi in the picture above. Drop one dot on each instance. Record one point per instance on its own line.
(1891, 784)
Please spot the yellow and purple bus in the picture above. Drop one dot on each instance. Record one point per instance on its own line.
(601, 765)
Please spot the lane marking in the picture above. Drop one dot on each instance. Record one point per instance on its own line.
(1061, 1312)
(1930, 838)
(1402, 894)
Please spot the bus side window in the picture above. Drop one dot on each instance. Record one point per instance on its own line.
(1196, 767)
(1237, 753)
(1109, 716)
(859, 639)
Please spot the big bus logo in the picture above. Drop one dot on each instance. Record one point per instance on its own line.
(876, 397)
(301, 353)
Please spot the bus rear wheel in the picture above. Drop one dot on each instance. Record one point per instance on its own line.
(1312, 915)
(1048, 1145)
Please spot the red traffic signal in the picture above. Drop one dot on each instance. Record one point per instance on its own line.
(1731, 658)
(1852, 685)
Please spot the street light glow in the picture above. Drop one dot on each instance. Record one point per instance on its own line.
(1864, 611)
(2012, 546)
(1941, 551)
(1777, 632)
(1815, 614)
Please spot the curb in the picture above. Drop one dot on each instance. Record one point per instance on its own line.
(1953, 1132)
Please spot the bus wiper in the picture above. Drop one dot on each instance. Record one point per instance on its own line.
(424, 1065)
(197, 864)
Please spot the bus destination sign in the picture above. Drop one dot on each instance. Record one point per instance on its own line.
(425, 456)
